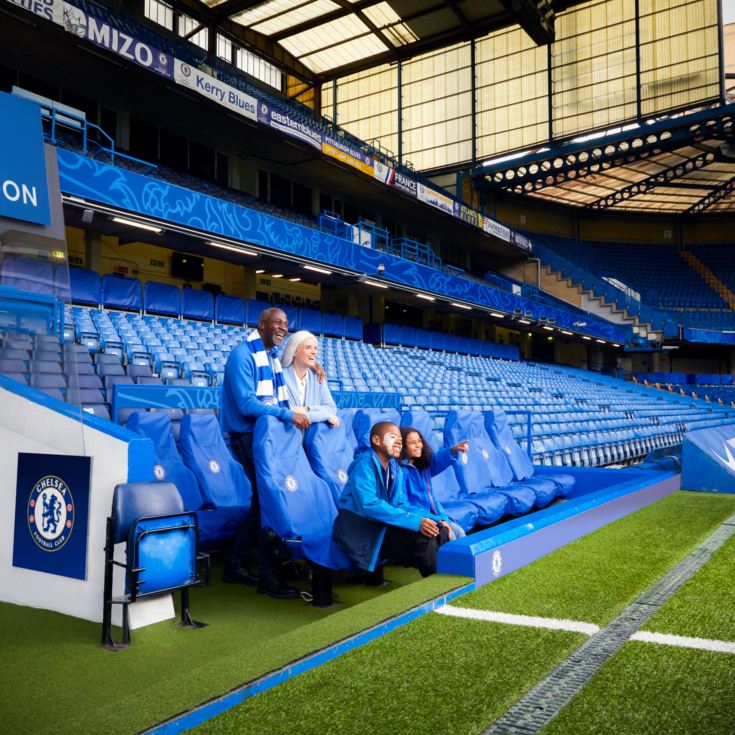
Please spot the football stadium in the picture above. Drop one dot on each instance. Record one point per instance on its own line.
(367, 366)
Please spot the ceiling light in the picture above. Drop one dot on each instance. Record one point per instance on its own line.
(587, 338)
(426, 297)
(233, 248)
(317, 270)
(460, 306)
(260, 270)
(564, 331)
(139, 225)
(294, 280)
(548, 329)
(277, 275)
(601, 341)
(524, 321)
(496, 315)
(615, 344)
(375, 283)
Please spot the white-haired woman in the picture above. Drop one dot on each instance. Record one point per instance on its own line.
(305, 393)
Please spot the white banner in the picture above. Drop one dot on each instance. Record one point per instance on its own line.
(52, 10)
(435, 199)
(215, 90)
(495, 228)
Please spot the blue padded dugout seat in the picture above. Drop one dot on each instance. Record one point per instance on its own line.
(333, 325)
(311, 320)
(330, 453)
(161, 554)
(253, 310)
(197, 304)
(294, 502)
(121, 292)
(365, 419)
(229, 309)
(353, 328)
(444, 486)
(161, 298)
(347, 416)
(168, 464)
(478, 471)
(496, 425)
(222, 481)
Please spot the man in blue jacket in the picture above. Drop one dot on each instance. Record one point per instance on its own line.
(375, 520)
(254, 387)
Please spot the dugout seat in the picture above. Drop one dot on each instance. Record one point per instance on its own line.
(444, 485)
(366, 418)
(478, 472)
(329, 453)
(161, 551)
(496, 425)
(297, 504)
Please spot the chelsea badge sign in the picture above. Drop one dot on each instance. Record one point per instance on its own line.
(51, 509)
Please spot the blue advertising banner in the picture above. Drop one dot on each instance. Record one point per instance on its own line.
(23, 187)
(100, 33)
(51, 514)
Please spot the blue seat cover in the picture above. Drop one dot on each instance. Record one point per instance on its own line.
(197, 304)
(496, 425)
(480, 470)
(229, 309)
(444, 485)
(85, 285)
(366, 418)
(169, 467)
(121, 292)
(330, 453)
(222, 480)
(294, 502)
(162, 298)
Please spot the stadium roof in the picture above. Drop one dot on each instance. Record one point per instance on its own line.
(331, 38)
(681, 164)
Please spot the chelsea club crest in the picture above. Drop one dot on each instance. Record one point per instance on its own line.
(50, 513)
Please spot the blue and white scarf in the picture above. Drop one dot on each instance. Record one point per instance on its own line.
(270, 388)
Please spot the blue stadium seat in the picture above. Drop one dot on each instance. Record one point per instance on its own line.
(333, 325)
(294, 502)
(496, 425)
(311, 320)
(222, 481)
(479, 472)
(253, 310)
(121, 292)
(353, 328)
(444, 485)
(161, 553)
(330, 453)
(229, 309)
(86, 286)
(197, 304)
(365, 419)
(347, 416)
(169, 467)
(161, 298)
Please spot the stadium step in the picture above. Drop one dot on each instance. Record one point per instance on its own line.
(709, 277)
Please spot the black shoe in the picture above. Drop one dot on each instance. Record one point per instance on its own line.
(236, 574)
(269, 585)
(288, 572)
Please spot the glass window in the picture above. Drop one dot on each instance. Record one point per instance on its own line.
(258, 68)
(187, 25)
(158, 12)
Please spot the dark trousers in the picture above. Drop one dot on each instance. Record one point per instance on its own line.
(412, 548)
(249, 531)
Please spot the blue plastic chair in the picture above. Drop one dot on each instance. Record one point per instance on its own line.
(161, 552)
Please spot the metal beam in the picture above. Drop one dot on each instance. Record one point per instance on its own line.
(662, 178)
(308, 25)
(536, 17)
(716, 195)
(576, 160)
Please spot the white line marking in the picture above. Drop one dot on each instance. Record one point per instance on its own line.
(704, 644)
(575, 626)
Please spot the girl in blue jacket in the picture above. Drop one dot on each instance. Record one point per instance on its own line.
(419, 465)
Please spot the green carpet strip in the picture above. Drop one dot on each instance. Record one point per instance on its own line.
(539, 707)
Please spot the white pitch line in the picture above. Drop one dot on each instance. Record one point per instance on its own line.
(704, 644)
(528, 621)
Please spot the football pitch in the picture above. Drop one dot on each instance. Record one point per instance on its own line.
(465, 672)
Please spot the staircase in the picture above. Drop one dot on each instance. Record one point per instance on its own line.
(709, 278)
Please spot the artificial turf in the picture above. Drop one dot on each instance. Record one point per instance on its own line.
(436, 674)
(169, 669)
(459, 675)
(595, 577)
(646, 689)
(704, 607)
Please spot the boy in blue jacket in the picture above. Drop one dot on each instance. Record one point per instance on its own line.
(375, 520)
